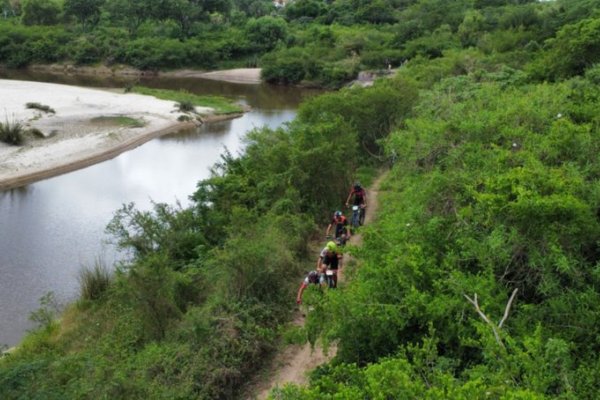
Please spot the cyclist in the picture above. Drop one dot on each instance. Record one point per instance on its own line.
(359, 198)
(330, 260)
(315, 277)
(342, 233)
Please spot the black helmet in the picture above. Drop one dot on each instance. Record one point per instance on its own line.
(357, 185)
(313, 276)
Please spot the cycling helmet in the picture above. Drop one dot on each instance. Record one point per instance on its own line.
(357, 185)
(337, 214)
(331, 246)
(313, 276)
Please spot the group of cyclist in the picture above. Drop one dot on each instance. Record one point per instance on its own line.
(331, 257)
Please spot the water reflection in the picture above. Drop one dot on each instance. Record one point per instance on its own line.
(50, 229)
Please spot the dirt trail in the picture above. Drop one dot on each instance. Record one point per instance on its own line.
(292, 364)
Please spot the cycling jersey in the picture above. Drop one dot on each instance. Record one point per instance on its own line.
(340, 225)
(316, 279)
(331, 260)
(359, 196)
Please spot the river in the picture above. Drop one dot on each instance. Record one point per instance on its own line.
(51, 229)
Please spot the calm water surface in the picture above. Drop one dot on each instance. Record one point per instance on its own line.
(50, 229)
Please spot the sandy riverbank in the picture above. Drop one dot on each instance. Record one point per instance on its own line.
(86, 128)
(236, 75)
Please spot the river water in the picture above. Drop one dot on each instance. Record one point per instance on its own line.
(51, 229)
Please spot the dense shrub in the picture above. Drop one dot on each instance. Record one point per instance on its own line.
(575, 48)
(493, 191)
(266, 32)
(285, 67)
(40, 12)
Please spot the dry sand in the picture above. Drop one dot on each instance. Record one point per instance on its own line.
(82, 131)
(238, 75)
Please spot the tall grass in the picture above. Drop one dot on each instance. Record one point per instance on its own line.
(11, 132)
(94, 281)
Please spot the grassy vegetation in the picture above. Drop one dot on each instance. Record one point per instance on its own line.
(94, 281)
(119, 120)
(41, 107)
(11, 132)
(221, 105)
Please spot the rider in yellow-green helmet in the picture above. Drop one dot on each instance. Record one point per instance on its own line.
(330, 260)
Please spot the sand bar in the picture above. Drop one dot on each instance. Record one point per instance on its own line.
(238, 75)
(85, 128)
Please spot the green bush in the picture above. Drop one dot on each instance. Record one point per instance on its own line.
(284, 67)
(382, 59)
(40, 12)
(266, 32)
(154, 53)
(575, 48)
(11, 132)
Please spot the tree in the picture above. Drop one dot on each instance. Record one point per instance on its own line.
(40, 12)
(575, 48)
(471, 27)
(377, 12)
(304, 9)
(255, 8)
(9, 9)
(85, 11)
(266, 32)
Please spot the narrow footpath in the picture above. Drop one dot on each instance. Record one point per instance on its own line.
(293, 363)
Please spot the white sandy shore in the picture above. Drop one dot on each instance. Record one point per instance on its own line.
(238, 75)
(76, 138)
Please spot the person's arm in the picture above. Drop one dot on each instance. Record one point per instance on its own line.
(348, 199)
(364, 197)
(328, 229)
(300, 291)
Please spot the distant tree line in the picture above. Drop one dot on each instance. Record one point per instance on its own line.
(320, 42)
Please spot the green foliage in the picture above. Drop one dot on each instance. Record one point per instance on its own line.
(221, 105)
(575, 48)
(373, 112)
(493, 190)
(305, 10)
(120, 120)
(494, 187)
(431, 46)
(40, 12)
(266, 32)
(11, 132)
(94, 281)
(21, 45)
(186, 106)
(45, 316)
(285, 67)
(87, 12)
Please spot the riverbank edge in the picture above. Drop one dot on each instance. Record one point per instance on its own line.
(107, 154)
(236, 75)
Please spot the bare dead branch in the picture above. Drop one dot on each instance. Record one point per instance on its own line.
(485, 318)
(507, 309)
